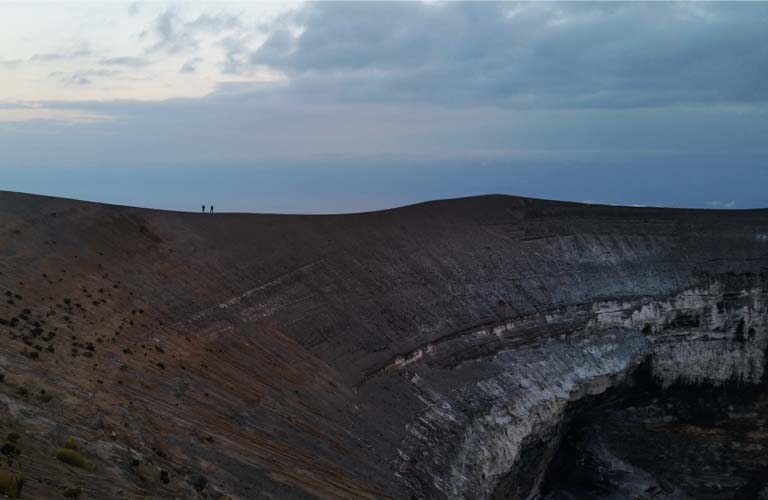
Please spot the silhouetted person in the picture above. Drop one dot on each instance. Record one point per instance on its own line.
(203, 208)
(211, 208)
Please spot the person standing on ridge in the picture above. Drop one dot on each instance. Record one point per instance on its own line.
(211, 208)
(203, 208)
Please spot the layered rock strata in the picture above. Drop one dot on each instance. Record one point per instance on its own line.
(475, 348)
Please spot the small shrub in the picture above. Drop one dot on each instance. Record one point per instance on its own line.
(10, 451)
(198, 482)
(44, 396)
(73, 492)
(71, 444)
(11, 483)
(71, 457)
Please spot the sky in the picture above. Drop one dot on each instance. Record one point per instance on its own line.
(339, 107)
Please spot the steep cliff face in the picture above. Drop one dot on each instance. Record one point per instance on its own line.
(492, 347)
(712, 334)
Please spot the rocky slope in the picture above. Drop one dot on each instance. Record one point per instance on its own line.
(492, 347)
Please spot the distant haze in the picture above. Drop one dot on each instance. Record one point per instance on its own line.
(336, 107)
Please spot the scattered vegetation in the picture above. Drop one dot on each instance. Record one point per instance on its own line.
(9, 448)
(198, 482)
(69, 453)
(73, 492)
(71, 457)
(31, 354)
(44, 396)
(71, 444)
(11, 483)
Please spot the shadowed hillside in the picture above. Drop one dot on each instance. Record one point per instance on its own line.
(440, 350)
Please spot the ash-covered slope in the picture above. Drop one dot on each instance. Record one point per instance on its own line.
(444, 350)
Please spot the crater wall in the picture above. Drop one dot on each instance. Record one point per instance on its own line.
(420, 352)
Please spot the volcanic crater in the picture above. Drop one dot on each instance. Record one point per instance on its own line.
(492, 347)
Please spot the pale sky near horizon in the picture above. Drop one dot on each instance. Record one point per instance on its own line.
(334, 107)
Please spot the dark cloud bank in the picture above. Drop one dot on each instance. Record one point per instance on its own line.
(543, 55)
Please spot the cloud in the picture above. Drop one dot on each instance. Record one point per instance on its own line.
(80, 52)
(721, 204)
(15, 105)
(190, 65)
(11, 63)
(127, 61)
(83, 77)
(236, 54)
(168, 37)
(173, 34)
(21, 113)
(214, 23)
(545, 55)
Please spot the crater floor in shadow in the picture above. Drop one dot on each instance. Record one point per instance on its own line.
(640, 441)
